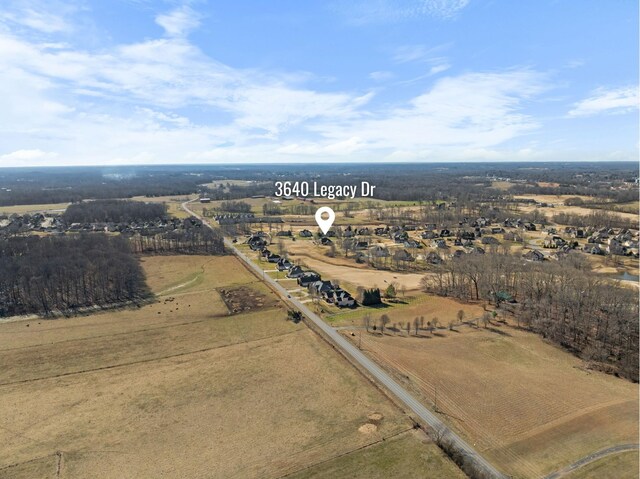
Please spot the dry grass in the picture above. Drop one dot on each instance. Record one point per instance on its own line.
(190, 392)
(43, 208)
(528, 405)
(617, 466)
(409, 455)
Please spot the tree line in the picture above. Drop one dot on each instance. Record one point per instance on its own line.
(585, 313)
(51, 274)
(196, 240)
(114, 211)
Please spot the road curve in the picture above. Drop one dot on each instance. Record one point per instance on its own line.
(372, 368)
(593, 457)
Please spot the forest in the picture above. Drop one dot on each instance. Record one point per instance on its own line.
(411, 182)
(582, 312)
(185, 241)
(114, 211)
(59, 274)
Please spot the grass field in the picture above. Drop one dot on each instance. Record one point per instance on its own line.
(617, 466)
(185, 388)
(408, 456)
(22, 209)
(529, 406)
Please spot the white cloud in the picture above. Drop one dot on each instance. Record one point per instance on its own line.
(46, 17)
(381, 75)
(179, 22)
(27, 156)
(164, 100)
(386, 11)
(610, 101)
(475, 110)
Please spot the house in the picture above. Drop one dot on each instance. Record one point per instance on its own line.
(306, 234)
(495, 231)
(284, 233)
(533, 255)
(444, 233)
(512, 236)
(265, 253)
(308, 277)
(400, 236)
(324, 241)
(412, 244)
(489, 240)
(474, 250)
(433, 258)
(429, 234)
(284, 264)
(256, 243)
(593, 248)
(363, 231)
(343, 299)
(320, 286)
(402, 255)
(529, 226)
(361, 245)
(378, 251)
(273, 258)
(381, 231)
(295, 272)
(614, 246)
(205, 200)
(439, 243)
(430, 226)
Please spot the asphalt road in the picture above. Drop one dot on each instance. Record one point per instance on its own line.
(372, 368)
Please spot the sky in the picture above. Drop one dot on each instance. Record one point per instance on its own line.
(149, 81)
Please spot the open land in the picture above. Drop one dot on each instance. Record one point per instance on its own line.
(147, 390)
(526, 404)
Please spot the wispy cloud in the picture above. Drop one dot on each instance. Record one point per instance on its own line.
(386, 11)
(382, 75)
(47, 18)
(607, 101)
(179, 22)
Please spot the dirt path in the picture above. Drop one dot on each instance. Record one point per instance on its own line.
(593, 457)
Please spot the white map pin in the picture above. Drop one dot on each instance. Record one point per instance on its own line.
(322, 223)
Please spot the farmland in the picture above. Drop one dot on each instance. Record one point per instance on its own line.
(188, 387)
(527, 405)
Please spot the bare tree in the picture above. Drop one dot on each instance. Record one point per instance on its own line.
(384, 320)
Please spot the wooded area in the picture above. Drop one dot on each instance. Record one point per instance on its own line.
(583, 312)
(187, 241)
(58, 274)
(114, 211)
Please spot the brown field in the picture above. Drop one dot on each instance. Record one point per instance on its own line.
(558, 201)
(173, 202)
(623, 465)
(22, 209)
(346, 270)
(426, 305)
(529, 406)
(185, 388)
(410, 455)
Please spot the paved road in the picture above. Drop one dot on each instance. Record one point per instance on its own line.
(593, 457)
(372, 368)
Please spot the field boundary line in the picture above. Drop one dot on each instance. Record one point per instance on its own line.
(150, 360)
(365, 446)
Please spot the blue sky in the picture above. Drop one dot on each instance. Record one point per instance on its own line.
(141, 81)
